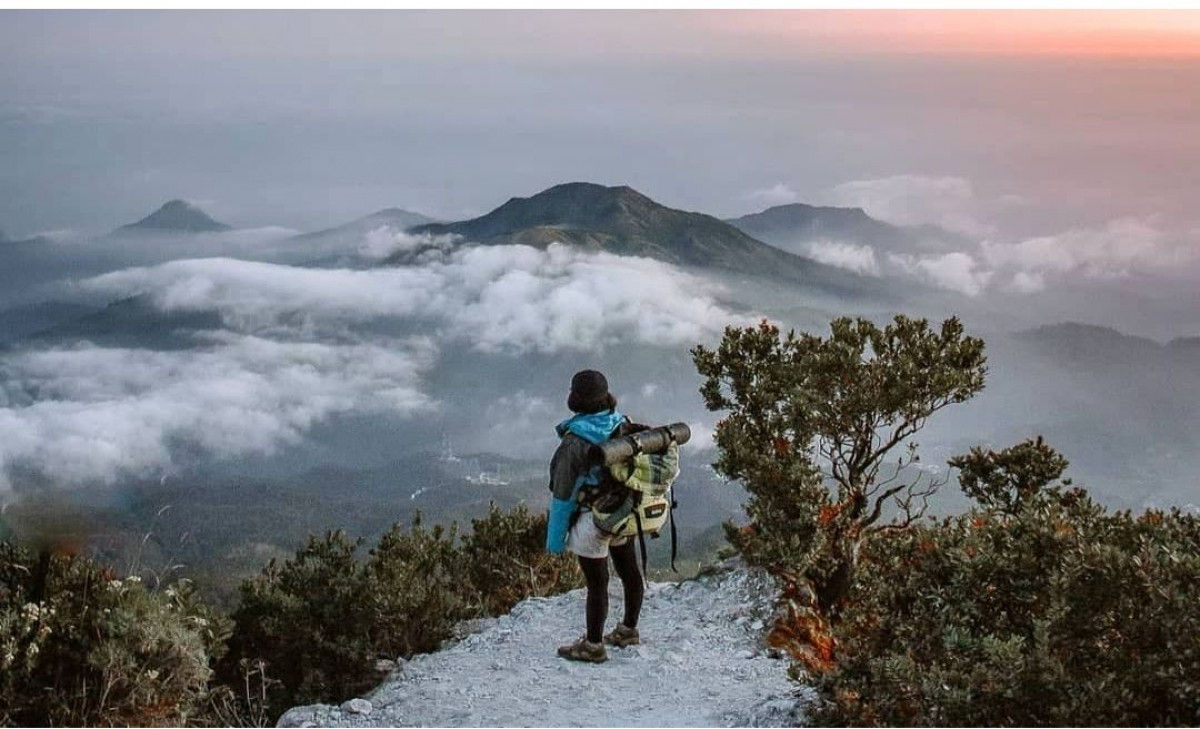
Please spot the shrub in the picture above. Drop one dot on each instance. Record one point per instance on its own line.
(308, 622)
(507, 561)
(1038, 608)
(415, 589)
(80, 647)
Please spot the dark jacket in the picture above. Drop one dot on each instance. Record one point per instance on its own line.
(570, 469)
(568, 464)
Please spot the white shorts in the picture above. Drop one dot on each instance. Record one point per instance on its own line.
(586, 540)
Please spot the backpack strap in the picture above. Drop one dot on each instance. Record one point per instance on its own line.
(641, 542)
(674, 535)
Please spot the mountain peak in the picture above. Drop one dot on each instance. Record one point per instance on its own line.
(178, 216)
(396, 216)
(621, 220)
(575, 197)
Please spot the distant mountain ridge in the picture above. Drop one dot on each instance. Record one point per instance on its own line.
(1077, 334)
(392, 218)
(622, 220)
(811, 219)
(793, 226)
(1088, 345)
(177, 216)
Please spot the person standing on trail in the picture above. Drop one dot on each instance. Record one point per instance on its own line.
(595, 420)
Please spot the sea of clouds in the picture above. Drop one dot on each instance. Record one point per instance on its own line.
(300, 345)
(986, 260)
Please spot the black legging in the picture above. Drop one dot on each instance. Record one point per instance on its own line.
(595, 571)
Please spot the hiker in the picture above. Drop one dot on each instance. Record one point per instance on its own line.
(596, 419)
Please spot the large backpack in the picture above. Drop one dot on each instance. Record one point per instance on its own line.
(633, 497)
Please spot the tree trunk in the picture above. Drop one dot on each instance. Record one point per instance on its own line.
(836, 586)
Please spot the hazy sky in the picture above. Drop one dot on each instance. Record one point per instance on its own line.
(1063, 147)
(1006, 125)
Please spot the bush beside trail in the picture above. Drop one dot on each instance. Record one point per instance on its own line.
(1037, 607)
(78, 646)
(81, 646)
(1058, 615)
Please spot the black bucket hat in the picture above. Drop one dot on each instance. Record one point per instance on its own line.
(589, 393)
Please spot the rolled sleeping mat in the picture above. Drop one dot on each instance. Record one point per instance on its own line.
(652, 440)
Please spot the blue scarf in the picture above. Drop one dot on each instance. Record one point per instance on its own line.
(595, 428)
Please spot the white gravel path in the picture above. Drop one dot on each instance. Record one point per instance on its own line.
(700, 664)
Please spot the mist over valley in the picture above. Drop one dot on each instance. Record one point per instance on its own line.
(262, 284)
(230, 391)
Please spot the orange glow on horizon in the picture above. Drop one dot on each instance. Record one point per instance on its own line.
(1017, 32)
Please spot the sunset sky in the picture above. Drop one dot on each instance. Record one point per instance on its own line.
(1040, 121)
(1085, 33)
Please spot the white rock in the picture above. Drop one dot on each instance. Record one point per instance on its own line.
(383, 665)
(746, 655)
(300, 717)
(358, 706)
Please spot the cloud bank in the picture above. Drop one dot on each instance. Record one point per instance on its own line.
(954, 271)
(1120, 248)
(301, 345)
(500, 299)
(853, 257)
(777, 194)
(89, 414)
(948, 202)
(980, 260)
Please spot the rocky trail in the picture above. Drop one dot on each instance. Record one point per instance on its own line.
(701, 663)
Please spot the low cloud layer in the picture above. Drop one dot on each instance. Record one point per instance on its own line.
(301, 345)
(850, 256)
(954, 271)
(504, 299)
(1118, 249)
(384, 242)
(90, 414)
(979, 258)
(777, 194)
(948, 202)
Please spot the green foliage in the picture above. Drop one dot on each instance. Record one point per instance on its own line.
(1013, 478)
(415, 589)
(310, 629)
(80, 647)
(1037, 608)
(798, 403)
(309, 620)
(507, 561)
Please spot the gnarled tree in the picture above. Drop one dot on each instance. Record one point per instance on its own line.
(1009, 480)
(819, 431)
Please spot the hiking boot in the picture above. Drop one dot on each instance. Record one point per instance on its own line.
(582, 650)
(622, 636)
